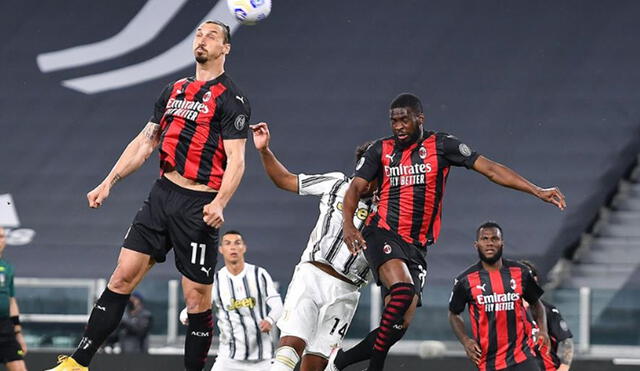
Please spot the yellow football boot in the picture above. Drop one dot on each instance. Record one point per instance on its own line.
(66, 363)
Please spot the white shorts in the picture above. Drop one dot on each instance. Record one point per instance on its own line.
(226, 364)
(318, 308)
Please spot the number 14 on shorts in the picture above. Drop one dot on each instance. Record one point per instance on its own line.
(343, 329)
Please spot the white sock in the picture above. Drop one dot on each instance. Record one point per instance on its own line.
(285, 359)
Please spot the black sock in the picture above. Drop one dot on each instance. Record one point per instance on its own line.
(391, 324)
(198, 340)
(358, 353)
(105, 317)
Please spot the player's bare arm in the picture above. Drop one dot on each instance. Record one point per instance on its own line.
(565, 354)
(136, 153)
(540, 315)
(471, 347)
(506, 177)
(279, 174)
(351, 235)
(213, 212)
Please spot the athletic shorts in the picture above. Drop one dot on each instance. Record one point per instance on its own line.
(172, 218)
(10, 351)
(226, 364)
(318, 308)
(383, 245)
(528, 365)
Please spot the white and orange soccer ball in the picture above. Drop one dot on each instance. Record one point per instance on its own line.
(249, 11)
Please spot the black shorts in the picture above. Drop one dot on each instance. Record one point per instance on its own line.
(10, 350)
(383, 245)
(172, 218)
(528, 365)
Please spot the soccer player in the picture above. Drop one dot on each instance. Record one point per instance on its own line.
(560, 355)
(12, 344)
(241, 294)
(199, 125)
(411, 166)
(495, 290)
(324, 291)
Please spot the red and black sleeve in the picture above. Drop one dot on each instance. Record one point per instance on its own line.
(459, 297)
(236, 113)
(369, 165)
(456, 152)
(161, 104)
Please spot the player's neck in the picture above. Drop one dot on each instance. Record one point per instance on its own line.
(235, 268)
(210, 70)
(492, 267)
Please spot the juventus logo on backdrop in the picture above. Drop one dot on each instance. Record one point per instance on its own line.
(142, 29)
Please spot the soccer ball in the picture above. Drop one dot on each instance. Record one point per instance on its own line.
(249, 11)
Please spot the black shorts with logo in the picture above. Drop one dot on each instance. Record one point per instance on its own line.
(10, 350)
(528, 365)
(384, 245)
(172, 218)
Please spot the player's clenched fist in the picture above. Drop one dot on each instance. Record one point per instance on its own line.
(98, 195)
(212, 214)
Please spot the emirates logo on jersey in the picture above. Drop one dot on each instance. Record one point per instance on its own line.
(387, 249)
(186, 109)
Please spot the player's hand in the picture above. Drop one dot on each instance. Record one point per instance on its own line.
(353, 239)
(261, 136)
(265, 326)
(22, 343)
(473, 350)
(543, 340)
(98, 195)
(552, 196)
(212, 214)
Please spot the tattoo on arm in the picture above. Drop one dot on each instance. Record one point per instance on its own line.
(565, 351)
(115, 180)
(151, 131)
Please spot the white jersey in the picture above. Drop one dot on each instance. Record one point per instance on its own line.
(325, 242)
(240, 303)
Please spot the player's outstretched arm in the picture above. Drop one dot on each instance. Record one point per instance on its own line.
(279, 174)
(471, 347)
(136, 153)
(213, 212)
(351, 235)
(506, 177)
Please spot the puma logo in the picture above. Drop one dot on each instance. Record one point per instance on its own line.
(390, 157)
(99, 307)
(241, 99)
(205, 270)
(481, 287)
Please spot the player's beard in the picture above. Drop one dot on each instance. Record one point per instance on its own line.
(413, 138)
(492, 259)
(202, 58)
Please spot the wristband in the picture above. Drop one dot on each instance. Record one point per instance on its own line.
(15, 320)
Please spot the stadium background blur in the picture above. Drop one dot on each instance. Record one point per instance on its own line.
(549, 88)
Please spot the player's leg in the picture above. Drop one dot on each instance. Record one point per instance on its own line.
(290, 349)
(109, 308)
(197, 297)
(16, 366)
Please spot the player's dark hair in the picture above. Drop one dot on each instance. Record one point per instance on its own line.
(532, 268)
(407, 100)
(489, 224)
(233, 231)
(361, 149)
(227, 30)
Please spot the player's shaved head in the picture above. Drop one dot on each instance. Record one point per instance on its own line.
(407, 100)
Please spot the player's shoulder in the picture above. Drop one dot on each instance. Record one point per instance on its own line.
(514, 264)
(230, 86)
(462, 276)
(309, 179)
(550, 307)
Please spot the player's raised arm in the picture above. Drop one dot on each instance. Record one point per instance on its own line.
(278, 173)
(213, 212)
(506, 177)
(133, 156)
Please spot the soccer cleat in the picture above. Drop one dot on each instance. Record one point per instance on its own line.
(66, 363)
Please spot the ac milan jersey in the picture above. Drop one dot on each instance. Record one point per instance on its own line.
(325, 242)
(497, 313)
(195, 118)
(240, 304)
(558, 331)
(412, 181)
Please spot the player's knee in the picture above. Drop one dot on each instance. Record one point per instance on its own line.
(196, 301)
(122, 282)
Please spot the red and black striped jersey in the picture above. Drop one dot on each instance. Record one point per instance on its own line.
(497, 313)
(411, 183)
(195, 118)
(558, 331)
